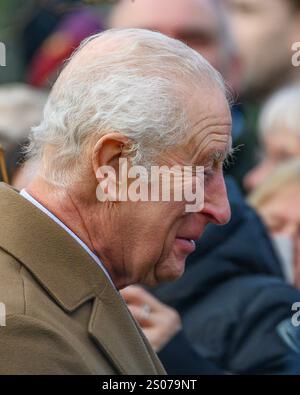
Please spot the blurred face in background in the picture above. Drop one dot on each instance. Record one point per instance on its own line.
(264, 31)
(281, 214)
(195, 22)
(279, 146)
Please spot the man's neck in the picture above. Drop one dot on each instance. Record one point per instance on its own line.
(66, 207)
(62, 205)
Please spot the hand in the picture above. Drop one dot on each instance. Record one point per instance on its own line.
(159, 322)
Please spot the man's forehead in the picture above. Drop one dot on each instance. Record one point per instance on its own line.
(214, 143)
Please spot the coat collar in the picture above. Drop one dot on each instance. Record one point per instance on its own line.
(55, 259)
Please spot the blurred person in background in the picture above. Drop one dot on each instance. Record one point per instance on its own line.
(40, 34)
(21, 107)
(200, 24)
(57, 29)
(264, 32)
(227, 306)
(279, 133)
(277, 201)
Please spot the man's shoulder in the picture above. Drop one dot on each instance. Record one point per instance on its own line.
(20, 292)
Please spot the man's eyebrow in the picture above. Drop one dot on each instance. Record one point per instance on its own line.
(218, 156)
(221, 156)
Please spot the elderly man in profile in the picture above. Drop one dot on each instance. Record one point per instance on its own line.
(125, 94)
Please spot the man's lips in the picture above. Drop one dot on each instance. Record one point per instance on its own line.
(187, 246)
(186, 240)
(190, 235)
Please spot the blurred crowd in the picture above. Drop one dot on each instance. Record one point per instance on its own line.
(231, 311)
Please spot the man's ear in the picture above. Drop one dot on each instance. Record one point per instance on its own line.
(108, 150)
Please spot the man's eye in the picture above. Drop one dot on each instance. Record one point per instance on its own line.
(208, 173)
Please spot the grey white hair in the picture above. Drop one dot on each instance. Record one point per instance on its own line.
(136, 87)
(282, 110)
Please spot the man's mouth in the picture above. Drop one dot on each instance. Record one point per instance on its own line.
(186, 245)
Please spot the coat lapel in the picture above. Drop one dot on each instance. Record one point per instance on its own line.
(134, 355)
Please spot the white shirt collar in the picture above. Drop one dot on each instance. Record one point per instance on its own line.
(31, 199)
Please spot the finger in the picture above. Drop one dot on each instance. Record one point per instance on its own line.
(142, 319)
(139, 296)
(131, 296)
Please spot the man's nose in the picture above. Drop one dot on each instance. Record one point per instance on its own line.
(217, 206)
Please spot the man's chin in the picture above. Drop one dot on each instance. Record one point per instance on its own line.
(168, 271)
(173, 272)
